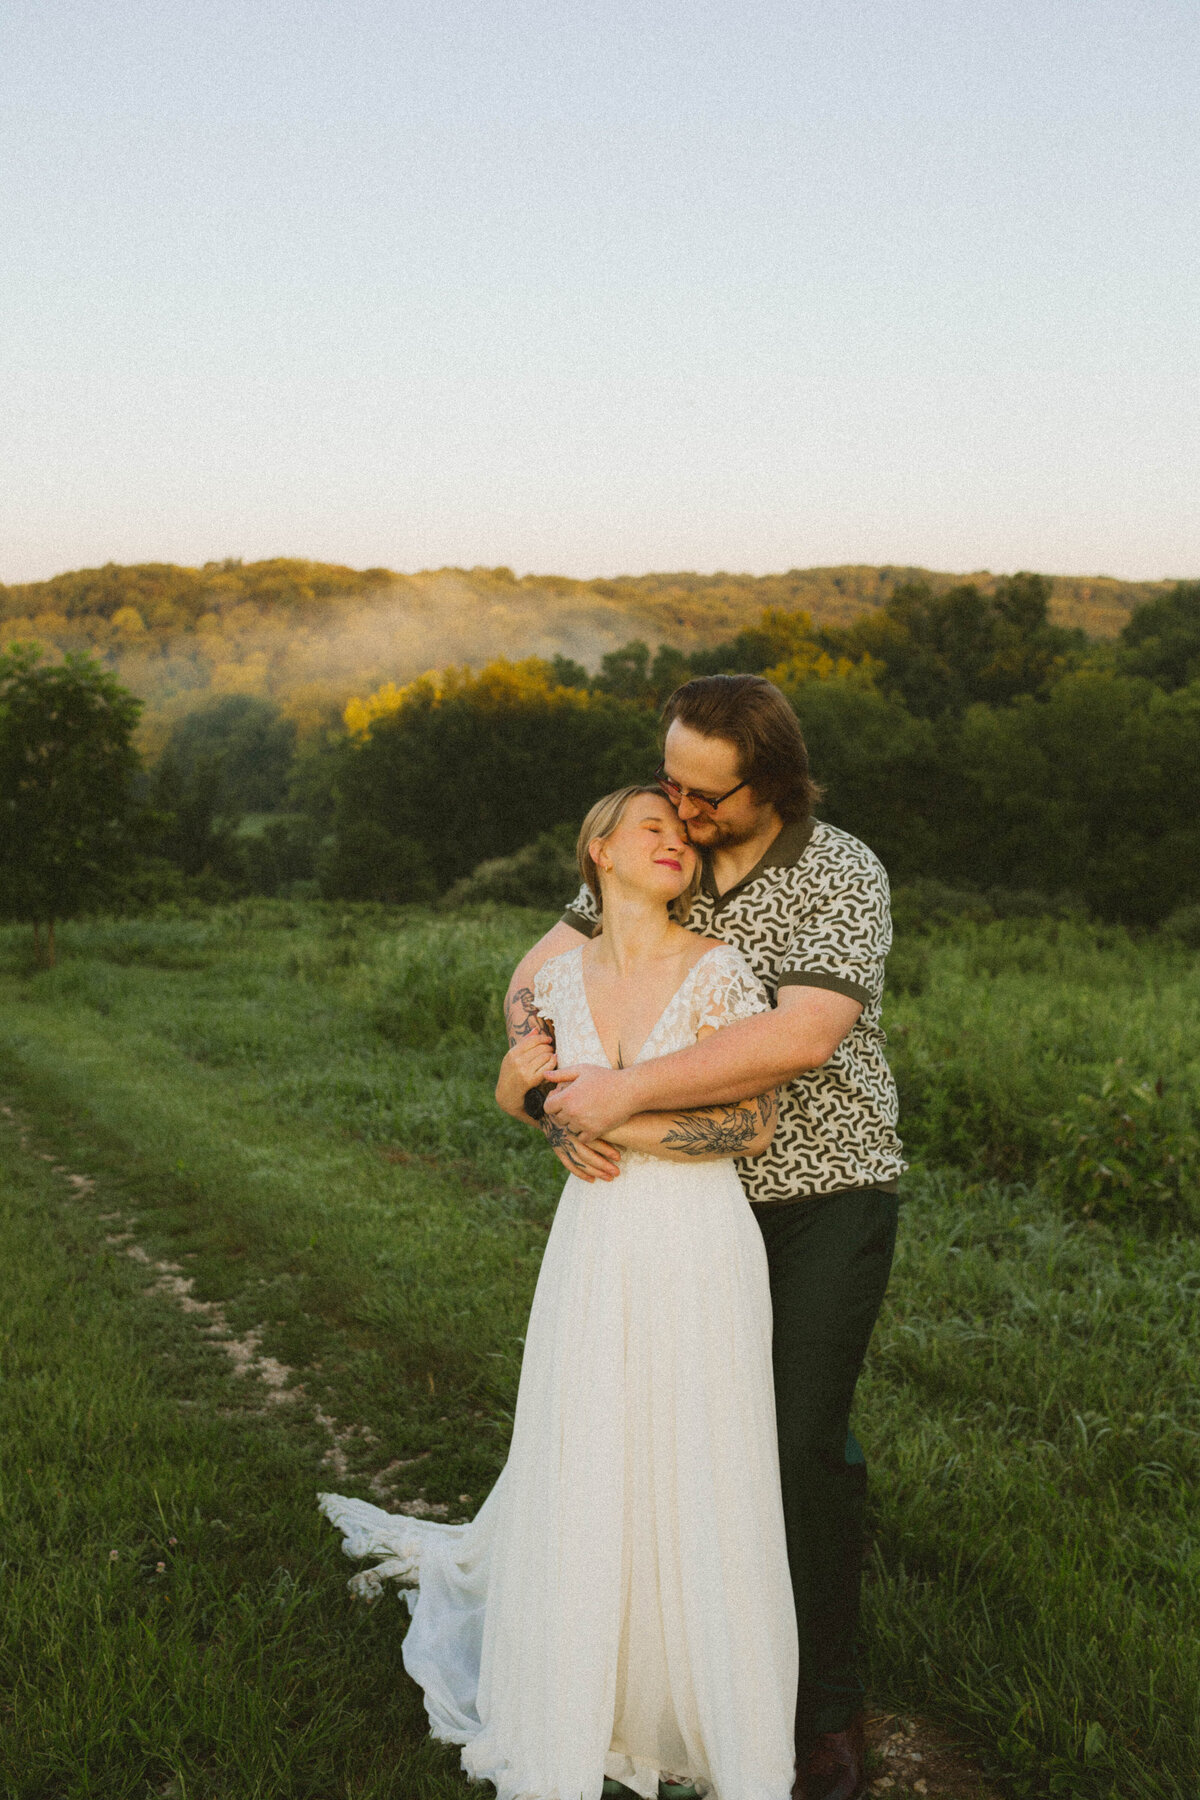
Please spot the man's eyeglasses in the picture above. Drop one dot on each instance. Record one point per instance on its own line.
(675, 793)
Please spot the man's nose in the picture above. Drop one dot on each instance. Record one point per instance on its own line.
(692, 812)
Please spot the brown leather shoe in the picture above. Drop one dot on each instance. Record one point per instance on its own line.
(836, 1766)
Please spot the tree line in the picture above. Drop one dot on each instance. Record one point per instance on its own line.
(963, 735)
(961, 732)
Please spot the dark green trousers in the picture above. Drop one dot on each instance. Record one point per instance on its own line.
(830, 1259)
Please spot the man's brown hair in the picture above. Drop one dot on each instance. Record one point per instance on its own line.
(750, 713)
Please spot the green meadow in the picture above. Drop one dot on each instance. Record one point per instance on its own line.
(262, 1231)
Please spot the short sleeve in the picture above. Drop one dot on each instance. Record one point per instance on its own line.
(726, 989)
(840, 942)
(544, 989)
(583, 914)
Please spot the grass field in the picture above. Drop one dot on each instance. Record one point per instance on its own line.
(262, 1231)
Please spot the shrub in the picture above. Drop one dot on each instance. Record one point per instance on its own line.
(926, 905)
(282, 852)
(1032, 903)
(962, 1110)
(1128, 1152)
(908, 967)
(543, 873)
(1183, 927)
(367, 862)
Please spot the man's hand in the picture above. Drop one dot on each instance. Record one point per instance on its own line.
(590, 1101)
(595, 1161)
(744, 1059)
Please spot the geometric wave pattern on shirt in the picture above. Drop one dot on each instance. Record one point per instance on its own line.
(814, 912)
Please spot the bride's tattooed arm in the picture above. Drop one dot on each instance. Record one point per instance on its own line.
(521, 1015)
(706, 1133)
(590, 1162)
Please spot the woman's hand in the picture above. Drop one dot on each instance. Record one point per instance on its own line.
(525, 1067)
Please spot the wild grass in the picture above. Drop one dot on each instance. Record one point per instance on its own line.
(293, 1101)
(1010, 1022)
(170, 1625)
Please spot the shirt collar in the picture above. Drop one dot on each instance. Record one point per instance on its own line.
(782, 853)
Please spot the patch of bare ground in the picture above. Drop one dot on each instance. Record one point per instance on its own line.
(909, 1756)
(244, 1350)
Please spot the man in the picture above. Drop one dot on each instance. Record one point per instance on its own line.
(808, 907)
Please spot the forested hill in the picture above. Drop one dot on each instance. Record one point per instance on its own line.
(309, 634)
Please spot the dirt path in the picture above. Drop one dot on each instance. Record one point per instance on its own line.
(909, 1755)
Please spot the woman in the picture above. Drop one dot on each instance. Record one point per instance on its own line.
(618, 1617)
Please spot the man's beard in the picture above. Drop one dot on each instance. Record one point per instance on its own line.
(713, 834)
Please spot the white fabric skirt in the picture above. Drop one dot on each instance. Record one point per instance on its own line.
(621, 1604)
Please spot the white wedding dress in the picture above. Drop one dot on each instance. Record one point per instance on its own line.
(621, 1603)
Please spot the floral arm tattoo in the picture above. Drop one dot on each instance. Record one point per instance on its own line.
(720, 1130)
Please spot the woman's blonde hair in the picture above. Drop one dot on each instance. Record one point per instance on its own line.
(603, 819)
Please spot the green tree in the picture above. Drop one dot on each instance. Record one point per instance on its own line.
(473, 772)
(283, 852)
(942, 652)
(669, 670)
(1162, 639)
(629, 674)
(881, 769)
(192, 831)
(68, 817)
(625, 673)
(366, 861)
(1095, 791)
(778, 636)
(250, 744)
(566, 672)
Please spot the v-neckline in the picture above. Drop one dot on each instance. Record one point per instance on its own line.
(591, 1017)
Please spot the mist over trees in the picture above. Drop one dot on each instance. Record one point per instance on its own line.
(308, 636)
(963, 735)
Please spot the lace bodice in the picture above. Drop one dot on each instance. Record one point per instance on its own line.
(716, 990)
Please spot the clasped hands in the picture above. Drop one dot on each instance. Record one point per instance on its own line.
(587, 1101)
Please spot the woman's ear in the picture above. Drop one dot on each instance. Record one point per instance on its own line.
(596, 852)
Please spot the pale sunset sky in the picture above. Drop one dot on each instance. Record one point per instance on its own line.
(601, 288)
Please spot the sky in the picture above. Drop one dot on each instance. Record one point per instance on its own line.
(599, 288)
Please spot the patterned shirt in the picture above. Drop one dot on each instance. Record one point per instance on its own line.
(814, 912)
